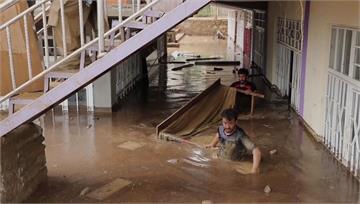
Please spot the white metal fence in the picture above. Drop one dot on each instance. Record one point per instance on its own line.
(342, 120)
(94, 44)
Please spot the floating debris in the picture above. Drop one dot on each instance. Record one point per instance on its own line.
(267, 189)
(218, 69)
(108, 189)
(203, 58)
(273, 151)
(173, 161)
(268, 126)
(182, 66)
(176, 62)
(84, 191)
(220, 35)
(217, 62)
(206, 202)
(129, 145)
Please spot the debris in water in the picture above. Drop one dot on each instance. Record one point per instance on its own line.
(218, 69)
(273, 151)
(130, 145)
(206, 202)
(267, 189)
(268, 126)
(84, 191)
(203, 58)
(108, 189)
(173, 161)
(89, 126)
(142, 125)
(182, 66)
(217, 63)
(220, 35)
(210, 72)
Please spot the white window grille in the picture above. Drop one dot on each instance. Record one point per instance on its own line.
(289, 33)
(342, 120)
(259, 37)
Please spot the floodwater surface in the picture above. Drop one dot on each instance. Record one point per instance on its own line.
(88, 151)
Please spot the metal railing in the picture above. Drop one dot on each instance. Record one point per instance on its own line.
(99, 40)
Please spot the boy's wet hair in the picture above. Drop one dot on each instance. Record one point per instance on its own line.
(229, 114)
(243, 71)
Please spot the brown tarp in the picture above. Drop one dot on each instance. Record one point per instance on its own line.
(19, 51)
(72, 23)
(199, 114)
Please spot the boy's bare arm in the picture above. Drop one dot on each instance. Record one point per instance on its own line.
(214, 141)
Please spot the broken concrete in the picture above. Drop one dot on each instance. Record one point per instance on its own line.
(23, 163)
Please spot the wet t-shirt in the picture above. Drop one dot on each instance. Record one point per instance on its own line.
(234, 146)
(243, 101)
(245, 86)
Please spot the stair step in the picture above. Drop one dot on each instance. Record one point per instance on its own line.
(153, 13)
(136, 25)
(66, 73)
(27, 96)
(107, 44)
(102, 65)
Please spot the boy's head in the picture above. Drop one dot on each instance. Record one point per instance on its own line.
(243, 74)
(229, 117)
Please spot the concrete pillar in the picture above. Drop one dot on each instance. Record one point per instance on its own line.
(103, 93)
(23, 163)
(162, 49)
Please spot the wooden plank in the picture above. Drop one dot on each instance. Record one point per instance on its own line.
(203, 58)
(252, 93)
(252, 105)
(176, 62)
(183, 109)
(182, 66)
(217, 62)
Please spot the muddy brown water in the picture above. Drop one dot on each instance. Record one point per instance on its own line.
(82, 152)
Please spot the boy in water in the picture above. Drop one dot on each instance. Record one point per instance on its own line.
(234, 143)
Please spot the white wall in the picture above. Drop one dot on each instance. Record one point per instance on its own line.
(322, 16)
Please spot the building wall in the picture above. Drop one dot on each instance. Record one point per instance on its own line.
(116, 84)
(287, 9)
(203, 26)
(322, 16)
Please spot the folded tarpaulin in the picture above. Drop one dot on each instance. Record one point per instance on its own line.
(200, 113)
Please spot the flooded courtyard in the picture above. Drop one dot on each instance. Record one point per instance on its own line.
(86, 151)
